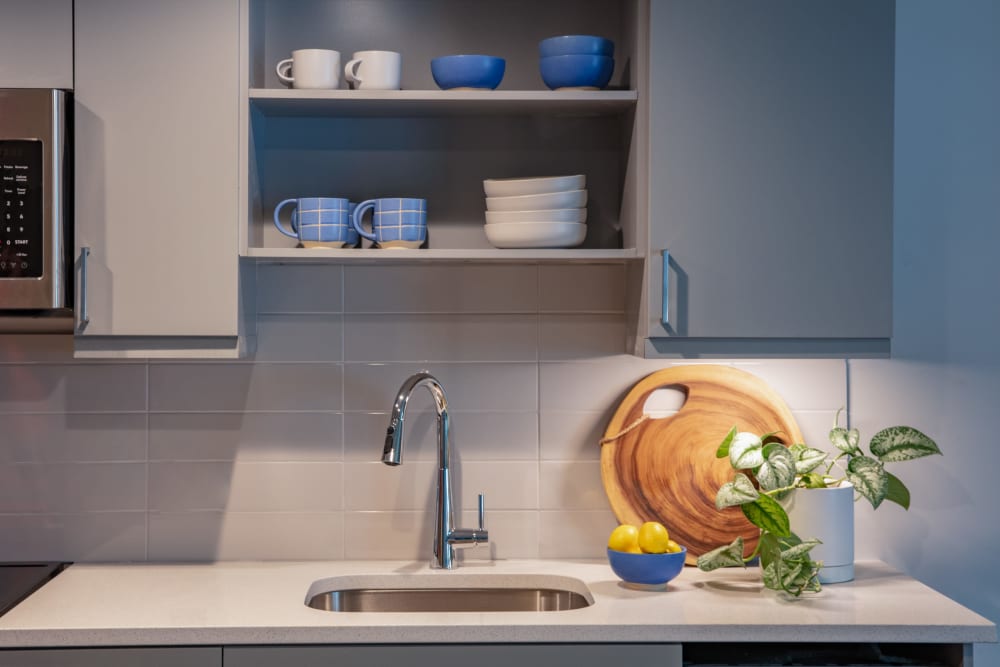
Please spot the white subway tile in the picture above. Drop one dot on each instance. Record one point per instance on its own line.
(54, 488)
(239, 386)
(511, 386)
(52, 438)
(804, 384)
(73, 388)
(581, 288)
(572, 485)
(445, 337)
(82, 538)
(388, 535)
(299, 288)
(246, 487)
(572, 436)
(595, 385)
(475, 436)
(506, 485)
(575, 534)
(204, 536)
(374, 486)
(512, 534)
(580, 336)
(286, 337)
(458, 288)
(252, 436)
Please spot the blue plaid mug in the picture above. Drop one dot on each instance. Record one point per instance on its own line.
(319, 222)
(396, 222)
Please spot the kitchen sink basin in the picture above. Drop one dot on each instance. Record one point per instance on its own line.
(442, 593)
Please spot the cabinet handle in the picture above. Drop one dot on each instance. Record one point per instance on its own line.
(84, 319)
(665, 300)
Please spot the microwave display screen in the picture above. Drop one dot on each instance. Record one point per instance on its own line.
(21, 196)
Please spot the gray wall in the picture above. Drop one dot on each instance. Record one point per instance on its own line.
(944, 375)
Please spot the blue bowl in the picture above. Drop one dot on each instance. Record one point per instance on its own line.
(576, 71)
(648, 569)
(570, 45)
(467, 71)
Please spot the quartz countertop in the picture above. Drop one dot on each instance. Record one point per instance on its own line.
(264, 603)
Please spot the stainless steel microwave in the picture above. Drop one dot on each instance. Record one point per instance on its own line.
(35, 212)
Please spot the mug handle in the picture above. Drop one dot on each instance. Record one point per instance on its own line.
(351, 70)
(281, 66)
(277, 221)
(359, 213)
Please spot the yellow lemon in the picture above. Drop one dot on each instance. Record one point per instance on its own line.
(653, 538)
(624, 538)
(673, 547)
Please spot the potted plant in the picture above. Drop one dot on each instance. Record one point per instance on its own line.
(768, 473)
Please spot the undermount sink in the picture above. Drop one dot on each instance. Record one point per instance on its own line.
(448, 593)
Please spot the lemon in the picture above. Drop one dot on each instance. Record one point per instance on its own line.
(624, 538)
(673, 547)
(653, 538)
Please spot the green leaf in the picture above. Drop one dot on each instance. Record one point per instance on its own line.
(844, 440)
(902, 443)
(740, 490)
(806, 458)
(800, 550)
(897, 493)
(769, 549)
(723, 450)
(869, 478)
(770, 575)
(746, 451)
(725, 556)
(767, 514)
(813, 480)
(778, 469)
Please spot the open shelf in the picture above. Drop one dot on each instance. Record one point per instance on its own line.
(368, 255)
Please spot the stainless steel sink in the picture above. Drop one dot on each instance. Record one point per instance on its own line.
(437, 594)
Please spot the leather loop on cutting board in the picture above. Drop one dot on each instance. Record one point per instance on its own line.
(665, 469)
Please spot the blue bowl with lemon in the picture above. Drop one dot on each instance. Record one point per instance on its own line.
(645, 555)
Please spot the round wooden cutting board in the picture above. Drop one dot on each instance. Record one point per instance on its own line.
(665, 469)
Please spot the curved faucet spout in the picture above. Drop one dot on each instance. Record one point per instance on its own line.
(446, 536)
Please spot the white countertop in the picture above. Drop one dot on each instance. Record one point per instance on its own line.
(263, 603)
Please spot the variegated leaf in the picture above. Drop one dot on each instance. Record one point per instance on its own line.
(778, 469)
(800, 550)
(725, 556)
(806, 458)
(902, 443)
(869, 478)
(746, 451)
(767, 514)
(740, 490)
(841, 439)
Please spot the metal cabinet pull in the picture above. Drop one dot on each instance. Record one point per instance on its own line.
(665, 300)
(84, 318)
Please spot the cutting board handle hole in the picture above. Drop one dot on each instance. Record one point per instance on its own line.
(665, 401)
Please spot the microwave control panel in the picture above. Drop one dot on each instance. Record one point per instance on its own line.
(21, 214)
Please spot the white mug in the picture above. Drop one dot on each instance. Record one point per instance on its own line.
(311, 68)
(374, 70)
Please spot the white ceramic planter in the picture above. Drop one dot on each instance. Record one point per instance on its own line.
(827, 515)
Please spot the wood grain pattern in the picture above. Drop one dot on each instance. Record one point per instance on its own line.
(665, 469)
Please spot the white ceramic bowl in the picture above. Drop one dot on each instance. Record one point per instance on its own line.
(537, 234)
(549, 200)
(552, 215)
(513, 187)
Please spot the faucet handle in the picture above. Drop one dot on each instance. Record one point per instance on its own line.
(482, 513)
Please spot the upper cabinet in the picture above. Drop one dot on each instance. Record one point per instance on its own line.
(435, 144)
(770, 177)
(36, 44)
(157, 192)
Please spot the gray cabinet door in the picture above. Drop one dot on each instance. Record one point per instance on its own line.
(771, 168)
(36, 44)
(202, 656)
(156, 154)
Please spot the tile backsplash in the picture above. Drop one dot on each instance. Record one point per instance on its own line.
(277, 456)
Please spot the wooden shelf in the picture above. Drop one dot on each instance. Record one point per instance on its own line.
(368, 255)
(282, 102)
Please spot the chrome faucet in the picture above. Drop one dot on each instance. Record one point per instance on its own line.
(446, 536)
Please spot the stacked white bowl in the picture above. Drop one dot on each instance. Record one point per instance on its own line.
(547, 212)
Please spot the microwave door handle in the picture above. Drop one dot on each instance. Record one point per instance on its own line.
(84, 319)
